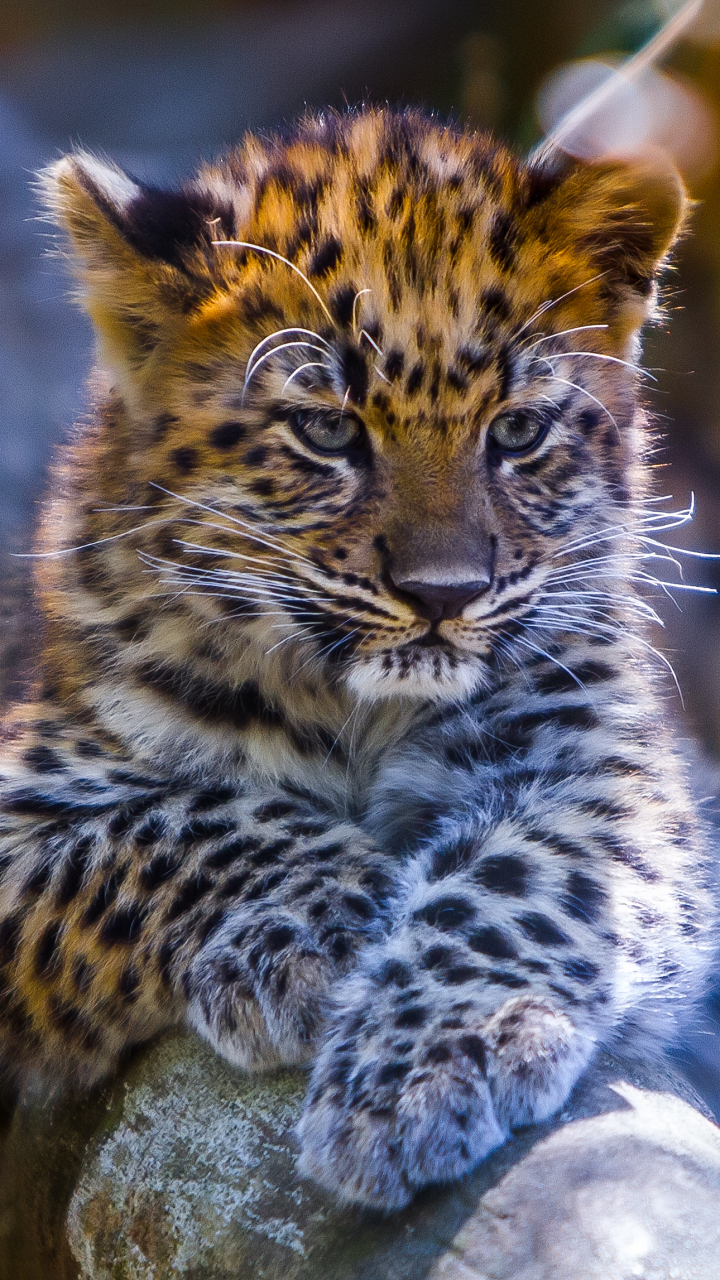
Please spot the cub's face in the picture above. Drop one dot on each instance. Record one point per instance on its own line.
(377, 386)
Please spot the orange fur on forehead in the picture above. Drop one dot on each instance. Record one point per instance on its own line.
(425, 229)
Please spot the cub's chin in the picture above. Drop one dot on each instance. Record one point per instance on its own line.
(441, 674)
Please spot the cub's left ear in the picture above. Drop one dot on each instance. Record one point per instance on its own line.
(624, 215)
(143, 256)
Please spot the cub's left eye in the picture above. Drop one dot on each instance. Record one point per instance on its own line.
(327, 432)
(516, 432)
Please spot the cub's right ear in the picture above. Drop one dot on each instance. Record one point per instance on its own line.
(142, 255)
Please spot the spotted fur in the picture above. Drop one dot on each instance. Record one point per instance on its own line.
(354, 753)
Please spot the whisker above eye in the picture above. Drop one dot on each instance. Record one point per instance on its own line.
(554, 302)
(281, 333)
(364, 334)
(310, 364)
(276, 351)
(270, 253)
(583, 391)
(596, 355)
(356, 299)
(562, 333)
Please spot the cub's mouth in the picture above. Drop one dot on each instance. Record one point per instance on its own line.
(431, 640)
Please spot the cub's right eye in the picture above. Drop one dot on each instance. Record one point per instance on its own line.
(325, 430)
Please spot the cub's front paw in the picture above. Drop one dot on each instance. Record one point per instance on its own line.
(404, 1096)
(374, 1132)
(258, 989)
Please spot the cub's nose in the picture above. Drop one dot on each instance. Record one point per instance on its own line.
(438, 600)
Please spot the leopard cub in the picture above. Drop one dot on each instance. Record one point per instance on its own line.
(344, 747)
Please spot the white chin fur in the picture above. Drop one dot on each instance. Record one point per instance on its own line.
(370, 679)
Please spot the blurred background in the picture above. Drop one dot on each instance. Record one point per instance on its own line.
(160, 84)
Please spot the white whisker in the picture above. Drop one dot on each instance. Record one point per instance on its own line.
(554, 302)
(629, 70)
(536, 649)
(66, 551)
(364, 334)
(583, 391)
(281, 333)
(562, 333)
(311, 364)
(356, 299)
(596, 355)
(243, 524)
(270, 253)
(276, 351)
(616, 631)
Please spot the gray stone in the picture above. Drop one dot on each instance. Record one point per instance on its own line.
(631, 1194)
(183, 1168)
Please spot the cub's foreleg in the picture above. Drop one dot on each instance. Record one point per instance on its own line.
(568, 898)
(128, 905)
(476, 1015)
(297, 895)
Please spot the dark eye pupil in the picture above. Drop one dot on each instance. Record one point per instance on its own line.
(514, 432)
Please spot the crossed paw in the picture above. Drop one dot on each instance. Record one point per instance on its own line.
(258, 989)
(414, 1082)
(403, 1095)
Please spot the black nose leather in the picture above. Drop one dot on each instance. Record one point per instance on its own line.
(436, 601)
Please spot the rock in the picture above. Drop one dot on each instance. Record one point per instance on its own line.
(634, 1193)
(183, 1168)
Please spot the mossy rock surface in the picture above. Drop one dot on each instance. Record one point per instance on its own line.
(183, 1168)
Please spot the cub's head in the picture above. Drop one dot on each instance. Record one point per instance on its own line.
(373, 386)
